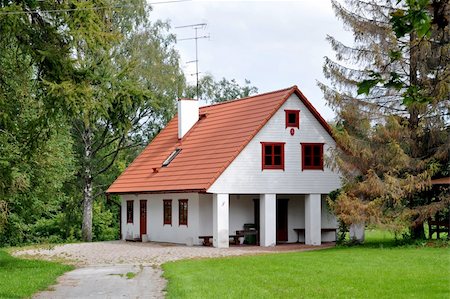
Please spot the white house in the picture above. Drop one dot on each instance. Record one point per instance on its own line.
(213, 169)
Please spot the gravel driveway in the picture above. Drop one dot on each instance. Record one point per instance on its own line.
(118, 269)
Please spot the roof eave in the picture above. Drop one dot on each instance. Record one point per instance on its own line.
(156, 191)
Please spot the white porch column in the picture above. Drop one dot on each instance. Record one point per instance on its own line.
(313, 233)
(220, 220)
(268, 225)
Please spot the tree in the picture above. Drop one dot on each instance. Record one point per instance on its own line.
(220, 91)
(390, 92)
(121, 87)
(81, 82)
(33, 163)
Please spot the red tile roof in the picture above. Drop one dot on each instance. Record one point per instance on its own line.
(207, 149)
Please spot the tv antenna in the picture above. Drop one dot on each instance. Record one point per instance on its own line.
(196, 27)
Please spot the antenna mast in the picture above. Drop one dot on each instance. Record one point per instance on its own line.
(196, 38)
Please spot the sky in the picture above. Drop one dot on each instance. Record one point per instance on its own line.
(274, 44)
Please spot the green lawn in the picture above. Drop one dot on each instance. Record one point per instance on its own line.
(21, 278)
(376, 270)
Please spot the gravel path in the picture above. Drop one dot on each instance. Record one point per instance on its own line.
(120, 252)
(103, 266)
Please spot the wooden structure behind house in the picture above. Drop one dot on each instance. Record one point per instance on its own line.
(440, 223)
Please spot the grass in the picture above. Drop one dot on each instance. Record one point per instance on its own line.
(130, 275)
(375, 270)
(21, 278)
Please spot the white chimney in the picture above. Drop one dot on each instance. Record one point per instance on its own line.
(187, 115)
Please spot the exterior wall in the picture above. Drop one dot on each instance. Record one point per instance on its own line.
(156, 230)
(130, 230)
(328, 221)
(241, 211)
(206, 215)
(245, 175)
(296, 215)
(200, 217)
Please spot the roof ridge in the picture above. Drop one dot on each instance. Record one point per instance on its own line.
(246, 98)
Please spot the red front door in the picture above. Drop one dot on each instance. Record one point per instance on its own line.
(143, 217)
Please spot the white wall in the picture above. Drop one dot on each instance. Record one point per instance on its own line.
(130, 230)
(296, 215)
(241, 211)
(156, 230)
(206, 215)
(245, 176)
(200, 219)
(328, 221)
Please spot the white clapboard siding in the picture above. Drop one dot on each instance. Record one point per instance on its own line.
(245, 176)
(156, 230)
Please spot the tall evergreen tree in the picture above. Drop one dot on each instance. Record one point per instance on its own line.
(390, 92)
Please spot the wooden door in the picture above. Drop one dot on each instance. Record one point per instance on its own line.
(143, 217)
(282, 220)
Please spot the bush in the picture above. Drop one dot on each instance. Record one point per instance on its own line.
(105, 224)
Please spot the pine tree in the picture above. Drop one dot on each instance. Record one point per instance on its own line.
(390, 92)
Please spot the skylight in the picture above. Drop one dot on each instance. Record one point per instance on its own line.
(171, 157)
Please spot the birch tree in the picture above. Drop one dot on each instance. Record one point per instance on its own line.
(123, 83)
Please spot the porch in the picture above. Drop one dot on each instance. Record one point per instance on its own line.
(277, 218)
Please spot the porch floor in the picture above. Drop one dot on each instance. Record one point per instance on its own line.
(284, 247)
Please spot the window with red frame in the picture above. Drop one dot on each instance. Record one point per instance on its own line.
(167, 211)
(182, 212)
(292, 118)
(129, 211)
(272, 155)
(312, 156)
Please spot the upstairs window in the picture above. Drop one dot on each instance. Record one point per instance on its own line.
(272, 155)
(129, 211)
(182, 212)
(312, 156)
(167, 211)
(292, 118)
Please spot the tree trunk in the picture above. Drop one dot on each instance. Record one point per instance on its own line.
(357, 232)
(88, 198)
(418, 232)
(413, 109)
